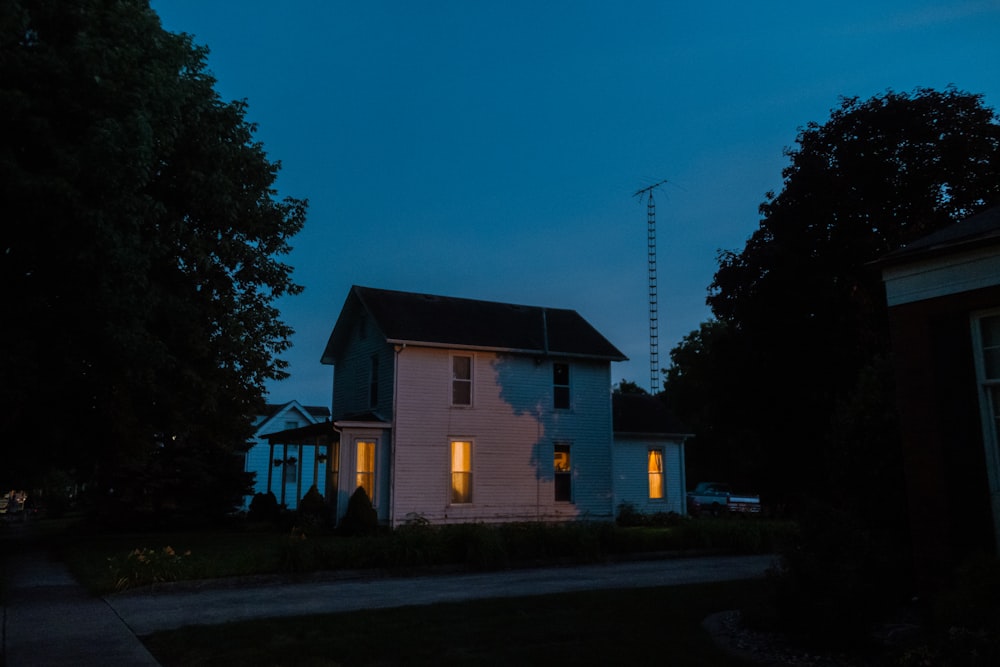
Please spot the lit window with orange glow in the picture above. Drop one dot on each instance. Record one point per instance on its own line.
(461, 471)
(655, 474)
(366, 467)
(562, 470)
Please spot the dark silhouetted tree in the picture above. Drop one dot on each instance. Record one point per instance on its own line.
(139, 260)
(628, 387)
(801, 309)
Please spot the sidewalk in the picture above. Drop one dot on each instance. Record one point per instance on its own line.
(51, 620)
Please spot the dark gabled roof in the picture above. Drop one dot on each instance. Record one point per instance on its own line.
(982, 229)
(642, 414)
(441, 321)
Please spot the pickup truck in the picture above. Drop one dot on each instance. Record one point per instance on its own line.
(715, 498)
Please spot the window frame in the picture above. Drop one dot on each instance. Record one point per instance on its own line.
(464, 496)
(468, 382)
(561, 394)
(562, 479)
(290, 464)
(360, 476)
(659, 474)
(988, 390)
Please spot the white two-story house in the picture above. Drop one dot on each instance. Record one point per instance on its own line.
(459, 410)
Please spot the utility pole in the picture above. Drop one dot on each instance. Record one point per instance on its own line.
(654, 352)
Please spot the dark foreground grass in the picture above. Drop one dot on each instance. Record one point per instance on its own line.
(636, 626)
(112, 561)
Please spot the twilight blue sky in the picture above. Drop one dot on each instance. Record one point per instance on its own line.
(490, 149)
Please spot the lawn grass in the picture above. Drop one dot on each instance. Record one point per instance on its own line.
(635, 626)
(104, 562)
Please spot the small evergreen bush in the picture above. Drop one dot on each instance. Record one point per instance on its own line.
(361, 517)
(314, 515)
(263, 508)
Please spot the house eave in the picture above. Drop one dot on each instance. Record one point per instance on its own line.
(504, 350)
(658, 436)
(341, 425)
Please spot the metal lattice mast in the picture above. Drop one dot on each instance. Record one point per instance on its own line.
(654, 325)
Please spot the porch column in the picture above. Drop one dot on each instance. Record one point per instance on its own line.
(270, 465)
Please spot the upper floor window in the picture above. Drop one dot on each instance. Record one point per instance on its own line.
(560, 385)
(461, 380)
(562, 470)
(655, 465)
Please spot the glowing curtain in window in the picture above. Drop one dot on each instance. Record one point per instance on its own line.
(366, 468)
(562, 473)
(461, 471)
(655, 474)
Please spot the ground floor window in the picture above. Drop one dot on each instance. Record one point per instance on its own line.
(655, 465)
(461, 471)
(366, 467)
(563, 473)
(290, 466)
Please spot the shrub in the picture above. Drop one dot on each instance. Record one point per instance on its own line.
(837, 581)
(314, 515)
(486, 548)
(628, 515)
(360, 517)
(415, 543)
(145, 566)
(666, 519)
(263, 508)
(964, 630)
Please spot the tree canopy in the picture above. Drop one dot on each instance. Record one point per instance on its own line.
(800, 310)
(140, 260)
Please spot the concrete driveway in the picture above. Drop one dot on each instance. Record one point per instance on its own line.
(171, 607)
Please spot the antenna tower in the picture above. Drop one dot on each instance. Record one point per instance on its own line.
(654, 352)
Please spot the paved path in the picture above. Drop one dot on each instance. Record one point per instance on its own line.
(148, 612)
(50, 620)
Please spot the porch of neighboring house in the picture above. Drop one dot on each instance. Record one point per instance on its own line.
(299, 458)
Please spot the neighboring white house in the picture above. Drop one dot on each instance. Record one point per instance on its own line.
(648, 455)
(459, 410)
(286, 470)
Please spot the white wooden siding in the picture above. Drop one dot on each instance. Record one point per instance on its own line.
(631, 475)
(347, 476)
(514, 427)
(352, 372)
(260, 462)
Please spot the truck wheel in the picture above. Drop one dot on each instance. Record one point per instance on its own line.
(715, 509)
